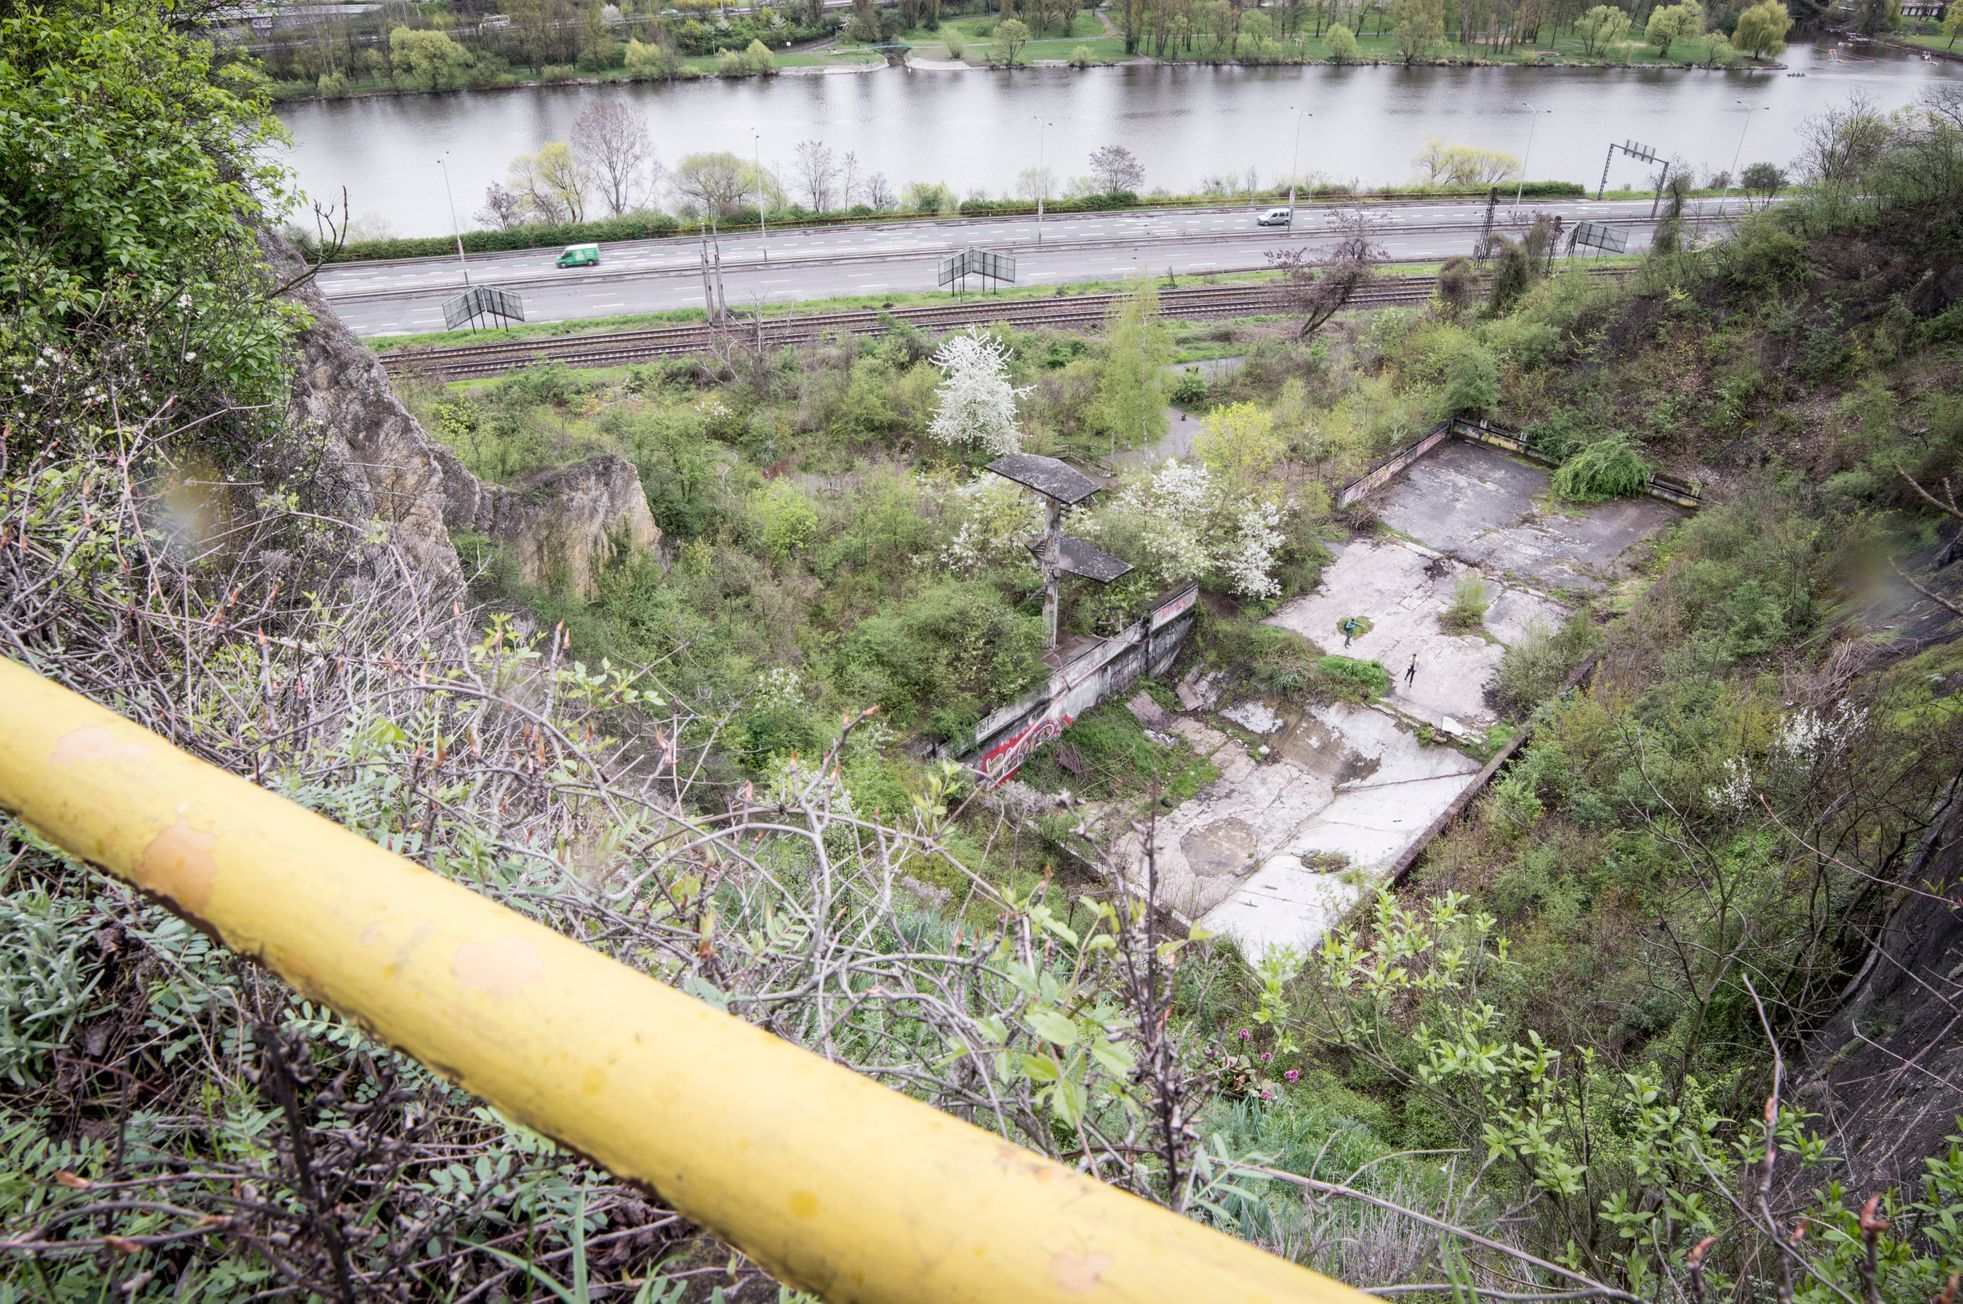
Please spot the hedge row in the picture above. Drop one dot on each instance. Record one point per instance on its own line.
(646, 226)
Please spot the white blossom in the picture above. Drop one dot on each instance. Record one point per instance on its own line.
(977, 402)
(779, 686)
(1188, 525)
(1735, 793)
(1808, 733)
(993, 518)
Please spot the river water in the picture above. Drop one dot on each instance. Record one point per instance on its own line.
(976, 130)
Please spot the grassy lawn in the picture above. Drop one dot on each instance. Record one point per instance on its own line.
(975, 36)
(1934, 41)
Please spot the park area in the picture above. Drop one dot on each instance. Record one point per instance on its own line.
(1315, 801)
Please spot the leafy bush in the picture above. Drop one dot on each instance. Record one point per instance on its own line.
(1113, 755)
(1351, 679)
(1611, 467)
(954, 648)
(1535, 665)
(1467, 611)
(1191, 389)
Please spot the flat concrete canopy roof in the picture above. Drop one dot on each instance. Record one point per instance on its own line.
(1046, 475)
(1079, 558)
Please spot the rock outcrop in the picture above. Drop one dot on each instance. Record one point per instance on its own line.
(560, 526)
(1886, 1072)
(369, 459)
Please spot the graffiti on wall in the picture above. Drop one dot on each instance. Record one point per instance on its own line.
(1391, 465)
(1000, 762)
(1007, 738)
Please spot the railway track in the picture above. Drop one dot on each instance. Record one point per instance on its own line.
(619, 348)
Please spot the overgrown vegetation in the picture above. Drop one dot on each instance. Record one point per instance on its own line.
(1560, 1039)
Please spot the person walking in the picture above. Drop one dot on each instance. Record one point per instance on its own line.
(1349, 630)
(1411, 671)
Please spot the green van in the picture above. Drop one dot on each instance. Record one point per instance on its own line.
(586, 255)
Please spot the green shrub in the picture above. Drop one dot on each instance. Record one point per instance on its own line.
(1532, 668)
(1191, 389)
(1352, 680)
(1611, 467)
(955, 649)
(1470, 600)
(1113, 756)
(782, 519)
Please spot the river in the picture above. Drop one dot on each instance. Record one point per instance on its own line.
(977, 130)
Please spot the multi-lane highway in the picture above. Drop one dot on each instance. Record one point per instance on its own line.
(803, 263)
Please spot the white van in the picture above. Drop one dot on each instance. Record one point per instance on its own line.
(1276, 217)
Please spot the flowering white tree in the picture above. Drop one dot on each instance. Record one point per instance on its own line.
(1185, 523)
(992, 519)
(977, 402)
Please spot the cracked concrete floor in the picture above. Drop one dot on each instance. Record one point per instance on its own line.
(1282, 846)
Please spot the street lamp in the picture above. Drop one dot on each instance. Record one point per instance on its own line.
(1294, 161)
(763, 231)
(1738, 153)
(1533, 121)
(1042, 175)
(444, 163)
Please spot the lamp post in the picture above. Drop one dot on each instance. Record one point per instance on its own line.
(1738, 153)
(1042, 175)
(763, 231)
(444, 163)
(1294, 162)
(1533, 120)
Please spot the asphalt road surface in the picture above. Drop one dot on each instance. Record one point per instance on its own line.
(802, 263)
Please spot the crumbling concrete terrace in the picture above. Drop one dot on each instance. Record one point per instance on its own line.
(1314, 803)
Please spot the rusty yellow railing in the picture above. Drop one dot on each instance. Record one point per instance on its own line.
(828, 1179)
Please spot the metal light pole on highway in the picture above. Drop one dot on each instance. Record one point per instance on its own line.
(444, 163)
(1738, 153)
(1533, 120)
(1042, 176)
(1294, 161)
(763, 232)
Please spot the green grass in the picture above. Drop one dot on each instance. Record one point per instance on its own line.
(1933, 41)
(979, 47)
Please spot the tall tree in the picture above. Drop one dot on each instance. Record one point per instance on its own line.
(817, 174)
(1317, 288)
(977, 408)
(552, 184)
(1116, 169)
(1761, 30)
(1417, 27)
(1600, 28)
(1669, 24)
(611, 141)
(721, 182)
(1131, 384)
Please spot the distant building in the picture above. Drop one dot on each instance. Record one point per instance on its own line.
(1930, 9)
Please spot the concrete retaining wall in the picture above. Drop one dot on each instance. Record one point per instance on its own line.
(1386, 471)
(1004, 740)
(1400, 869)
(1480, 432)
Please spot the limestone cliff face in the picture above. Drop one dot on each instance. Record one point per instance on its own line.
(369, 459)
(561, 526)
(1887, 1071)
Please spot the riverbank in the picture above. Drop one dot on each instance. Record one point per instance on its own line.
(934, 53)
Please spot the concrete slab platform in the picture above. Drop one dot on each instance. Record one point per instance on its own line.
(1486, 507)
(1403, 590)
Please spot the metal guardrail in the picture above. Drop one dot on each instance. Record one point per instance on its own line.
(829, 1180)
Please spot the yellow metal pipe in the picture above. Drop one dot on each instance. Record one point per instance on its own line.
(828, 1179)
